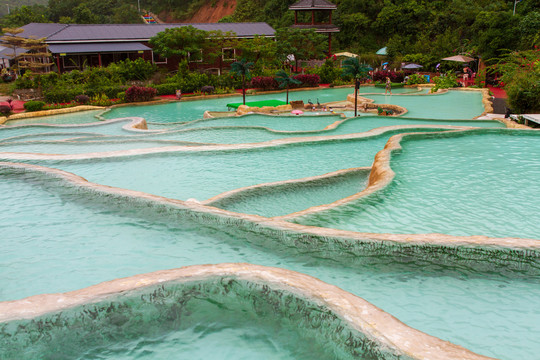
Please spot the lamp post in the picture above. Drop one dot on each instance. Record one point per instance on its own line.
(139, 6)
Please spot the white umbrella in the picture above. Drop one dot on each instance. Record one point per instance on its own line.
(459, 58)
(382, 51)
(412, 66)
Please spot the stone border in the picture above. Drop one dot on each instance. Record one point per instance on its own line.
(135, 124)
(32, 114)
(478, 252)
(222, 147)
(375, 329)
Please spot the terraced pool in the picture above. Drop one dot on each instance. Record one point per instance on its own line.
(61, 233)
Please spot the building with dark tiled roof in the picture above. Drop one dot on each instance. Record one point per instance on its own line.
(75, 45)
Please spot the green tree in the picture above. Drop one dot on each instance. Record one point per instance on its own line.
(285, 80)
(352, 67)
(304, 44)
(126, 14)
(25, 15)
(83, 15)
(181, 42)
(242, 68)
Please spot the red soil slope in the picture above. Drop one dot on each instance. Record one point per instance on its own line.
(207, 13)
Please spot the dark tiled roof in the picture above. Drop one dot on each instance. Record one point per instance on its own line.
(38, 30)
(123, 32)
(97, 47)
(7, 52)
(313, 5)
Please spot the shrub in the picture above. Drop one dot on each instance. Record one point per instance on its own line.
(445, 81)
(310, 80)
(25, 82)
(329, 72)
(62, 94)
(395, 76)
(139, 93)
(264, 82)
(82, 99)
(5, 110)
(34, 105)
(138, 69)
(166, 89)
(416, 79)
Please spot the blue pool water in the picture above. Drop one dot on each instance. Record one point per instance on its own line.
(56, 238)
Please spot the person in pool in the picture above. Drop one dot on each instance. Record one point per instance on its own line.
(388, 87)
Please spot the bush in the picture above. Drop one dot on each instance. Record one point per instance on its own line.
(264, 82)
(34, 105)
(416, 79)
(62, 94)
(138, 69)
(5, 110)
(25, 82)
(448, 80)
(166, 89)
(139, 93)
(310, 80)
(82, 99)
(111, 90)
(329, 72)
(395, 76)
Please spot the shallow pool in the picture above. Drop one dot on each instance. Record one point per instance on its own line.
(73, 239)
(472, 184)
(58, 238)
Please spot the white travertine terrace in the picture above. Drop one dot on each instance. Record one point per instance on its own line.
(388, 332)
(390, 336)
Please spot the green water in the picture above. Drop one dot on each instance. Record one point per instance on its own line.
(280, 123)
(204, 174)
(484, 184)
(451, 105)
(190, 110)
(81, 117)
(9, 133)
(55, 240)
(284, 199)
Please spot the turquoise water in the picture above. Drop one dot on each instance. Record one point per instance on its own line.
(284, 199)
(280, 123)
(43, 252)
(55, 240)
(451, 105)
(190, 110)
(483, 184)
(81, 117)
(203, 174)
(16, 132)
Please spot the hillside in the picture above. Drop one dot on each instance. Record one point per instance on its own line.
(209, 12)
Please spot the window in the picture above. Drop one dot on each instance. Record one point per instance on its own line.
(158, 59)
(71, 61)
(195, 56)
(228, 54)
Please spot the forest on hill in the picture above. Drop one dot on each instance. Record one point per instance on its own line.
(413, 30)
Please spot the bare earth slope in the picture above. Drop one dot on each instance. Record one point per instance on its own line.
(211, 12)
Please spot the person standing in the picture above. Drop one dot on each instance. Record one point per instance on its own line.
(388, 88)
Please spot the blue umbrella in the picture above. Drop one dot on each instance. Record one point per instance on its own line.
(412, 66)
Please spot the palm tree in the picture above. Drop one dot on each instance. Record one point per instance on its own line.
(242, 68)
(352, 67)
(285, 80)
